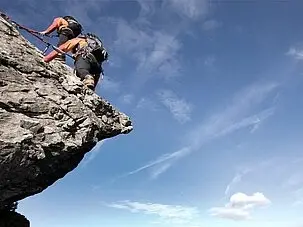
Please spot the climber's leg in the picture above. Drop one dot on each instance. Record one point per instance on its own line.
(64, 36)
(82, 68)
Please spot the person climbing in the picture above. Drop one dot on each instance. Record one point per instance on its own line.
(88, 54)
(67, 28)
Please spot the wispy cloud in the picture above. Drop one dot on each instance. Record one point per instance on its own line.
(285, 170)
(209, 61)
(235, 116)
(160, 169)
(293, 179)
(240, 206)
(179, 108)
(237, 179)
(253, 120)
(298, 194)
(163, 58)
(127, 98)
(147, 103)
(168, 158)
(296, 52)
(147, 7)
(89, 157)
(171, 213)
(211, 25)
(155, 52)
(192, 9)
(82, 10)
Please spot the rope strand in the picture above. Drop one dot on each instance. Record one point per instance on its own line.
(35, 34)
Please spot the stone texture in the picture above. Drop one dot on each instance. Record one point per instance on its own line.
(48, 120)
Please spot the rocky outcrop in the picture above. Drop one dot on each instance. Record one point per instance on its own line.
(13, 219)
(48, 120)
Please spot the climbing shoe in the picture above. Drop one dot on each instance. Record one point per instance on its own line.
(89, 82)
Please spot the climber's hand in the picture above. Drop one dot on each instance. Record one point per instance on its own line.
(43, 33)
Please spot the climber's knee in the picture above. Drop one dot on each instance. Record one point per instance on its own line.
(81, 73)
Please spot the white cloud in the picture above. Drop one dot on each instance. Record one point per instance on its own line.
(132, 39)
(209, 61)
(237, 178)
(147, 7)
(288, 170)
(211, 25)
(193, 9)
(295, 180)
(179, 108)
(127, 98)
(230, 213)
(90, 156)
(244, 201)
(160, 169)
(171, 213)
(147, 103)
(295, 52)
(80, 10)
(240, 206)
(235, 116)
(253, 120)
(163, 58)
(167, 159)
(155, 52)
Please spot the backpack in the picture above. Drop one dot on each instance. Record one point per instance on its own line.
(74, 25)
(94, 47)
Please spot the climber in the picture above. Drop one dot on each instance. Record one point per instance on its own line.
(67, 28)
(88, 54)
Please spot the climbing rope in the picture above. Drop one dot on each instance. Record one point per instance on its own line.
(38, 36)
(35, 34)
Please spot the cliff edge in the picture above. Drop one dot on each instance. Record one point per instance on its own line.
(48, 119)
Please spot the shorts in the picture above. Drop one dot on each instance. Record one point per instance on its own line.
(65, 35)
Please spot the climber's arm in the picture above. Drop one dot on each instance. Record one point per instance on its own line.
(57, 22)
(66, 47)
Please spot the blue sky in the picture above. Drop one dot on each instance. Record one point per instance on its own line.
(214, 91)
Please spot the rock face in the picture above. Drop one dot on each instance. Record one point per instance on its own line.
(48, 120)
(13, 219)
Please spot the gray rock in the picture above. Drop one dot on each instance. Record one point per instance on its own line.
(13, 219)
(48, 120)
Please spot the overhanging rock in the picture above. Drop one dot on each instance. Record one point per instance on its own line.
(48, 120)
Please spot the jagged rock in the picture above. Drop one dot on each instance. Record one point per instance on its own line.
(13, 219)
(48, 120)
